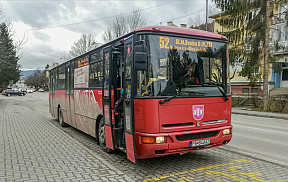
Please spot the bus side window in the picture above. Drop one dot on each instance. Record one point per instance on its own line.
(61, 77)
(100, 73)
(72, 79)
(95, 70)
(93, 79)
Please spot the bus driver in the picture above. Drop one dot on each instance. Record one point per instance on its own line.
(190, 77)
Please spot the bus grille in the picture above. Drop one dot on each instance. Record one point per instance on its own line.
(196, 135)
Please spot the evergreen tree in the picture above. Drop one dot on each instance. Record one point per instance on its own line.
(248, 24)
(245, 22)
(9, 68)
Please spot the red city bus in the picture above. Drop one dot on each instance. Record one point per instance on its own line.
(153, 92)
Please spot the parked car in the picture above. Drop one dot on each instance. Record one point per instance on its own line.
(14, 92)
(41, 90)
(30, 90)
(3, 92)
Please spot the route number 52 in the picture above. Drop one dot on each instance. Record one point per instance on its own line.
(164, 41)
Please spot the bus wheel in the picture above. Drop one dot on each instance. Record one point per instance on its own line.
(61, 120)
(101, 137)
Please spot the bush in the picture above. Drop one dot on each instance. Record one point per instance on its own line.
(279, 103)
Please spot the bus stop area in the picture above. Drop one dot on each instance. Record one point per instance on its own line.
(33, 147)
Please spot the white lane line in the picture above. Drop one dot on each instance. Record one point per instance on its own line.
(261, 129)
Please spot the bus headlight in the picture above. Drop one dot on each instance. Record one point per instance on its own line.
(160, 139)
(152, 140)
(226, 131)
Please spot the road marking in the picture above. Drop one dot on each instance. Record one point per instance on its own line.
(261, 129)
(243, 160)
(224, 174)
(188, 171)
(253, 175)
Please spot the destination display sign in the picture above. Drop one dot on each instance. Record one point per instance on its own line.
(192, 45)
(82, 62)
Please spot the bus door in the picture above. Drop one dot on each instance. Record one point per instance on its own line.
(107, 94)
(69, 101)
(128, 104)
(52, 93)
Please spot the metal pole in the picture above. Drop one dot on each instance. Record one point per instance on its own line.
(266, 56)
(206, 15)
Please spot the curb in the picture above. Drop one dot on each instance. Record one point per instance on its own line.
(253, 154)
(260, 115)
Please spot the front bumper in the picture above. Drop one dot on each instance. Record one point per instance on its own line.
(173, 146)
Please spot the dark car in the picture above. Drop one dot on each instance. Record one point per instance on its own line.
(14, 92)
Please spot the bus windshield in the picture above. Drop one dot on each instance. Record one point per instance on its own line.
(183, 67)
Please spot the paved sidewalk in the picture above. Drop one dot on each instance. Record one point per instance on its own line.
(239, 110)
(32, 149)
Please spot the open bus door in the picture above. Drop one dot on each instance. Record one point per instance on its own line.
(52, 107)
(128, 104)
(107, 94)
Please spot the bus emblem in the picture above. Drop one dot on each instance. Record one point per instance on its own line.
(198, 112)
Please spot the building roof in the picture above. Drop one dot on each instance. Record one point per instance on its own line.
(179, 30)
(217, 15)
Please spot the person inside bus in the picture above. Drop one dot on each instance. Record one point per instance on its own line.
(190, 78)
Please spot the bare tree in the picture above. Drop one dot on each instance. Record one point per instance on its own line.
(39, 79)
(119, 26)
(1, 12)
(196, 20)
(135, 20)
(108, 35)
(86, 43)
(123, 24)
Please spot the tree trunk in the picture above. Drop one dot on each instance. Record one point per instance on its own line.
(266, 57)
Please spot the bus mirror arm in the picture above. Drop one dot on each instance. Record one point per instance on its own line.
(167, 99)
(223, 93)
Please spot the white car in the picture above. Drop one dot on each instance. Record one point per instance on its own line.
(29, 90)
(41, 90)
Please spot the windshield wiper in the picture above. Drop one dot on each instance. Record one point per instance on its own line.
(167, 99)
(216, 85)
(223, 93)
(193, 92)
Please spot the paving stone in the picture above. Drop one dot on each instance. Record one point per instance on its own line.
(31, 139)
(35, 150)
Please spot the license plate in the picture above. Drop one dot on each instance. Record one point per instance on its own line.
(197, 143)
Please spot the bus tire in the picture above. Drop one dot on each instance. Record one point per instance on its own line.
(61, 119)
(101, 137)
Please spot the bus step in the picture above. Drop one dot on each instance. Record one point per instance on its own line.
(122, 149)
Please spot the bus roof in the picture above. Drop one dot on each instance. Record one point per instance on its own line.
(179, 30)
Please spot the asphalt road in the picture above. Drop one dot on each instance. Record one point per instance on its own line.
(264, 136)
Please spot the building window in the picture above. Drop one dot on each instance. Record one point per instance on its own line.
(254, 90)
(245, 90)
(285, 72)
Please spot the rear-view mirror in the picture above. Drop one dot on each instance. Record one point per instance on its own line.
(140, 58)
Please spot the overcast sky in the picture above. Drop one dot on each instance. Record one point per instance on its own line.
(45, 24)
